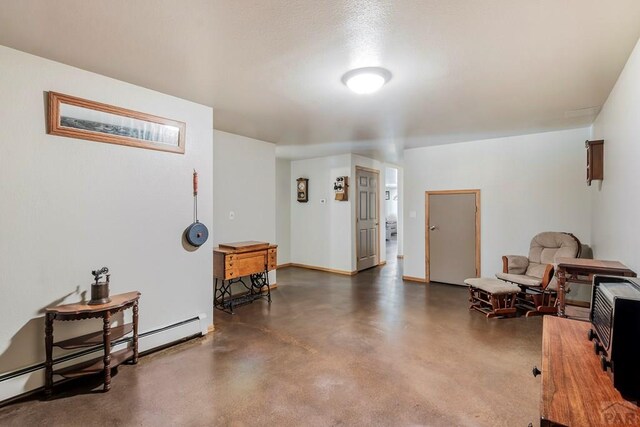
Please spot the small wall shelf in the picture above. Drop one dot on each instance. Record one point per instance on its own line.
(595, 160)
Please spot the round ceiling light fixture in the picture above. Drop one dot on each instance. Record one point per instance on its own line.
(366, 80)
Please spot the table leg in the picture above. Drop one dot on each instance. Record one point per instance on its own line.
(562, 280)
(48, 343)
(106, 338)
(266, 276)
(221, 290)
(135, 332)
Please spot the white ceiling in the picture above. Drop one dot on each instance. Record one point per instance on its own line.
(271, 69)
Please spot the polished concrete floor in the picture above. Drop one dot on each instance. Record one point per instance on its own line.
(329, 350)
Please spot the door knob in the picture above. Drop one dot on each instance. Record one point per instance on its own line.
(535, 371)
(433, 227)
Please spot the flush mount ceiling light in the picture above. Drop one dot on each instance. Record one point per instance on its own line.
(366, 80)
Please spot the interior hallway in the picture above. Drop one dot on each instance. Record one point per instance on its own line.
(329, 350)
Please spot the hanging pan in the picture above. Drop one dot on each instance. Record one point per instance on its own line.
(197, 233)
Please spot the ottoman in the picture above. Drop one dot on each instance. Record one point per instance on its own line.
(492, 297)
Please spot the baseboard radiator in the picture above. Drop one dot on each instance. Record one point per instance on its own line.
(30, 379)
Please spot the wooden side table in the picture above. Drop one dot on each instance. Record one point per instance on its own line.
(576, 269)
(105, 337)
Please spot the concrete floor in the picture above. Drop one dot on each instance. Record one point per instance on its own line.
(329, 350)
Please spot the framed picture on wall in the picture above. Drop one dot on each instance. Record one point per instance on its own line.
(387, 196)
(75, 117)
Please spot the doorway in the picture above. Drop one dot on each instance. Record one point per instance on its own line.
(391, 208)
(367, 220)
(452, 235)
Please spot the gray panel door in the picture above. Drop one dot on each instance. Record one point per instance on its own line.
(367, 219)
(452, 237)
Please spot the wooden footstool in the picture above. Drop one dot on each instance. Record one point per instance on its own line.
(492, 297)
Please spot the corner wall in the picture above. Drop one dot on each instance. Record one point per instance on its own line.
(615, 201)
(284, 193)
(321, 232)
(71, 205)
(529, 184)
(244, 176)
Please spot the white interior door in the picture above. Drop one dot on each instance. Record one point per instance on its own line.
(367, 218)
(452, 237)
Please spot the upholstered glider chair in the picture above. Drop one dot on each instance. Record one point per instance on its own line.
(534, 274)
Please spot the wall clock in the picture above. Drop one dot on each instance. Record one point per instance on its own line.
(302, 189)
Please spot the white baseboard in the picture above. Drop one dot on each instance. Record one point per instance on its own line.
(25, 380)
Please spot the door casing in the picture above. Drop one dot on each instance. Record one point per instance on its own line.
(426, 227)
(357, 210)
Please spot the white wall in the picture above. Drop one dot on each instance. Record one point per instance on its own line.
(71, 205)
(244, 176)
(391, 205)
(615, 201)
(391, 184)
(321, 233)
(528, 184)
(284, 186)
(401, 202)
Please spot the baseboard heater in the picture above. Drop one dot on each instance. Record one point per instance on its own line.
(19, 383)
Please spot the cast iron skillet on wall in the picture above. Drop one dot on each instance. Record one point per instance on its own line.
(197, 233)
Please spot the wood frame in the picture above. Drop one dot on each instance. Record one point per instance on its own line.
(426, 227)
(595, 160)
(55, 128)
(304, 199)
(326, 270)
(492, 304)
(357, 205)
(413, 279)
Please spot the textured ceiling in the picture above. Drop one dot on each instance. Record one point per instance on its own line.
(271, 69)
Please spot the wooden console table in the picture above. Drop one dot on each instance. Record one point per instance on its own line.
(578, 270)
(575, 389)
(232, 262)
(105, 337)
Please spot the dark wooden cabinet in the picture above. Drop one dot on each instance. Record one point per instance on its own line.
(595, 160)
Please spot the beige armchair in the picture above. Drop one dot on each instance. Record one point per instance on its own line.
(534, 274)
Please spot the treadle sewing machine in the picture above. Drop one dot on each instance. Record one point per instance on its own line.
(232, 263)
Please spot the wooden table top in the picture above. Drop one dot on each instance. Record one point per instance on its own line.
(594, 264)
(239, 247)
(117, 301)
(575, 389)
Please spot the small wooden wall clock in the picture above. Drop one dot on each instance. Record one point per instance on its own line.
(302, 189)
